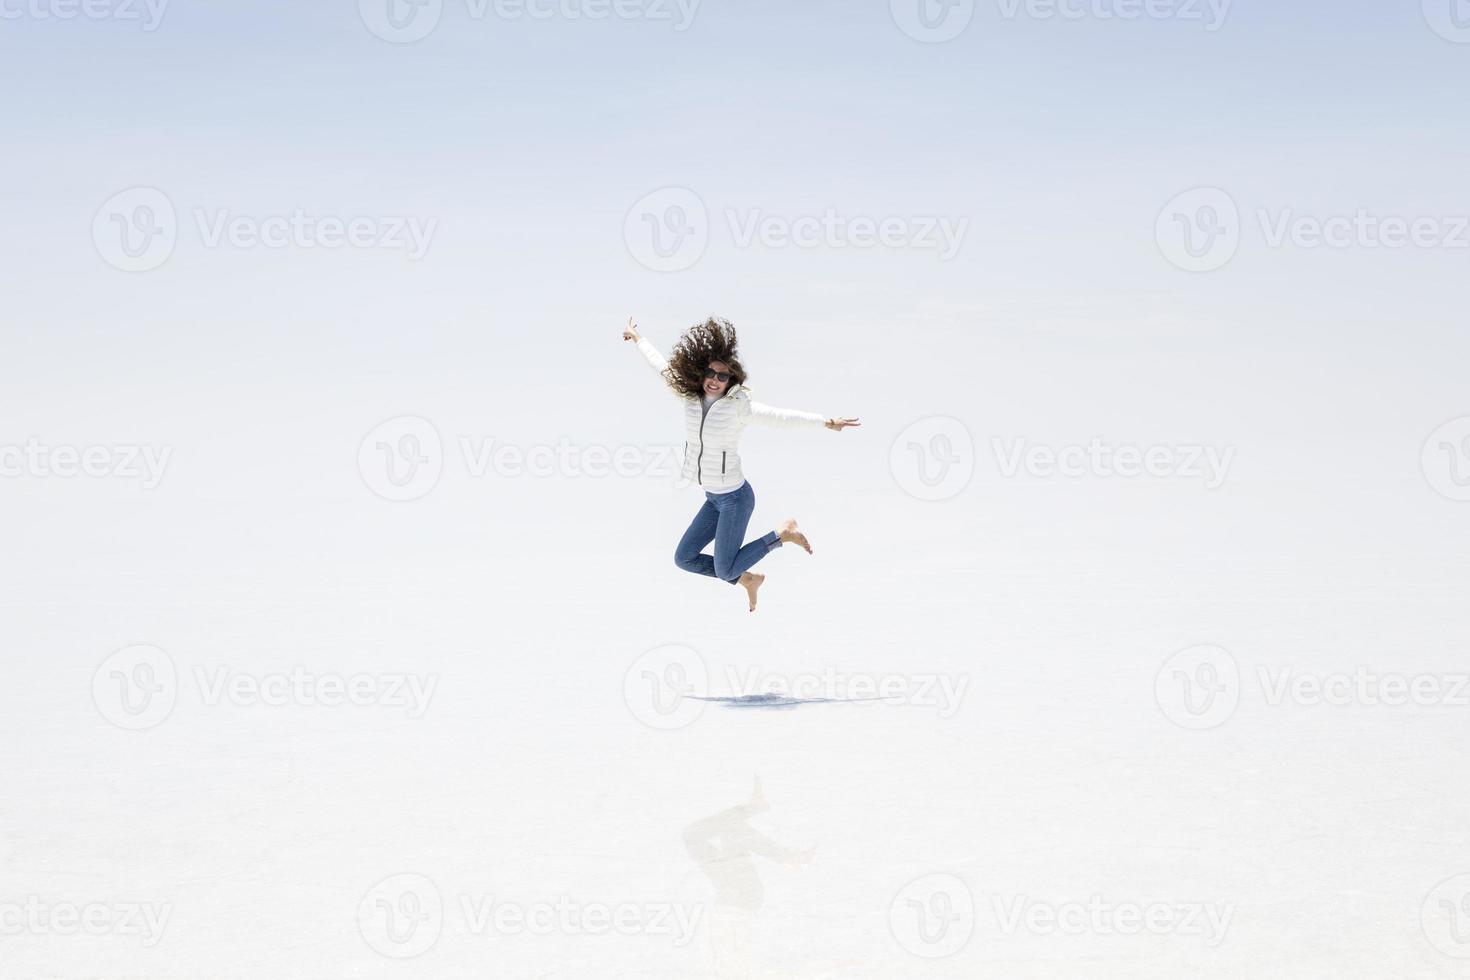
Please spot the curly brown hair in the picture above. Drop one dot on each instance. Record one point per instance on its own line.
(712, 340)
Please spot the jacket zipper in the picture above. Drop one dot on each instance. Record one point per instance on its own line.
(722, 464)
(699, 463)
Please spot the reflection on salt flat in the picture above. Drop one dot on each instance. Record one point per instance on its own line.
(725, 847)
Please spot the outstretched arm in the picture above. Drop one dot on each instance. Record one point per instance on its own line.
(650, 353)
(792, 419)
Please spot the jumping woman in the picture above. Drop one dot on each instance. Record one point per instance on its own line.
(706, 375)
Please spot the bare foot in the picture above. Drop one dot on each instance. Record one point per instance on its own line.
(790, 533)
(752, 583)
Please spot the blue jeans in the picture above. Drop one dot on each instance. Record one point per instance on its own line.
(722, 520)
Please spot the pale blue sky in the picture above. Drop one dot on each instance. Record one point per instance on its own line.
(1058, 142)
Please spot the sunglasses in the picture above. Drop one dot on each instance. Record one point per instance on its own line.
(720, 376)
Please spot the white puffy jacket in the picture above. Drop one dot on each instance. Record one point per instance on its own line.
(711, 452)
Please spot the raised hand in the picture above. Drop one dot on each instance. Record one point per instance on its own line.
(838, 424)
(630, 332)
